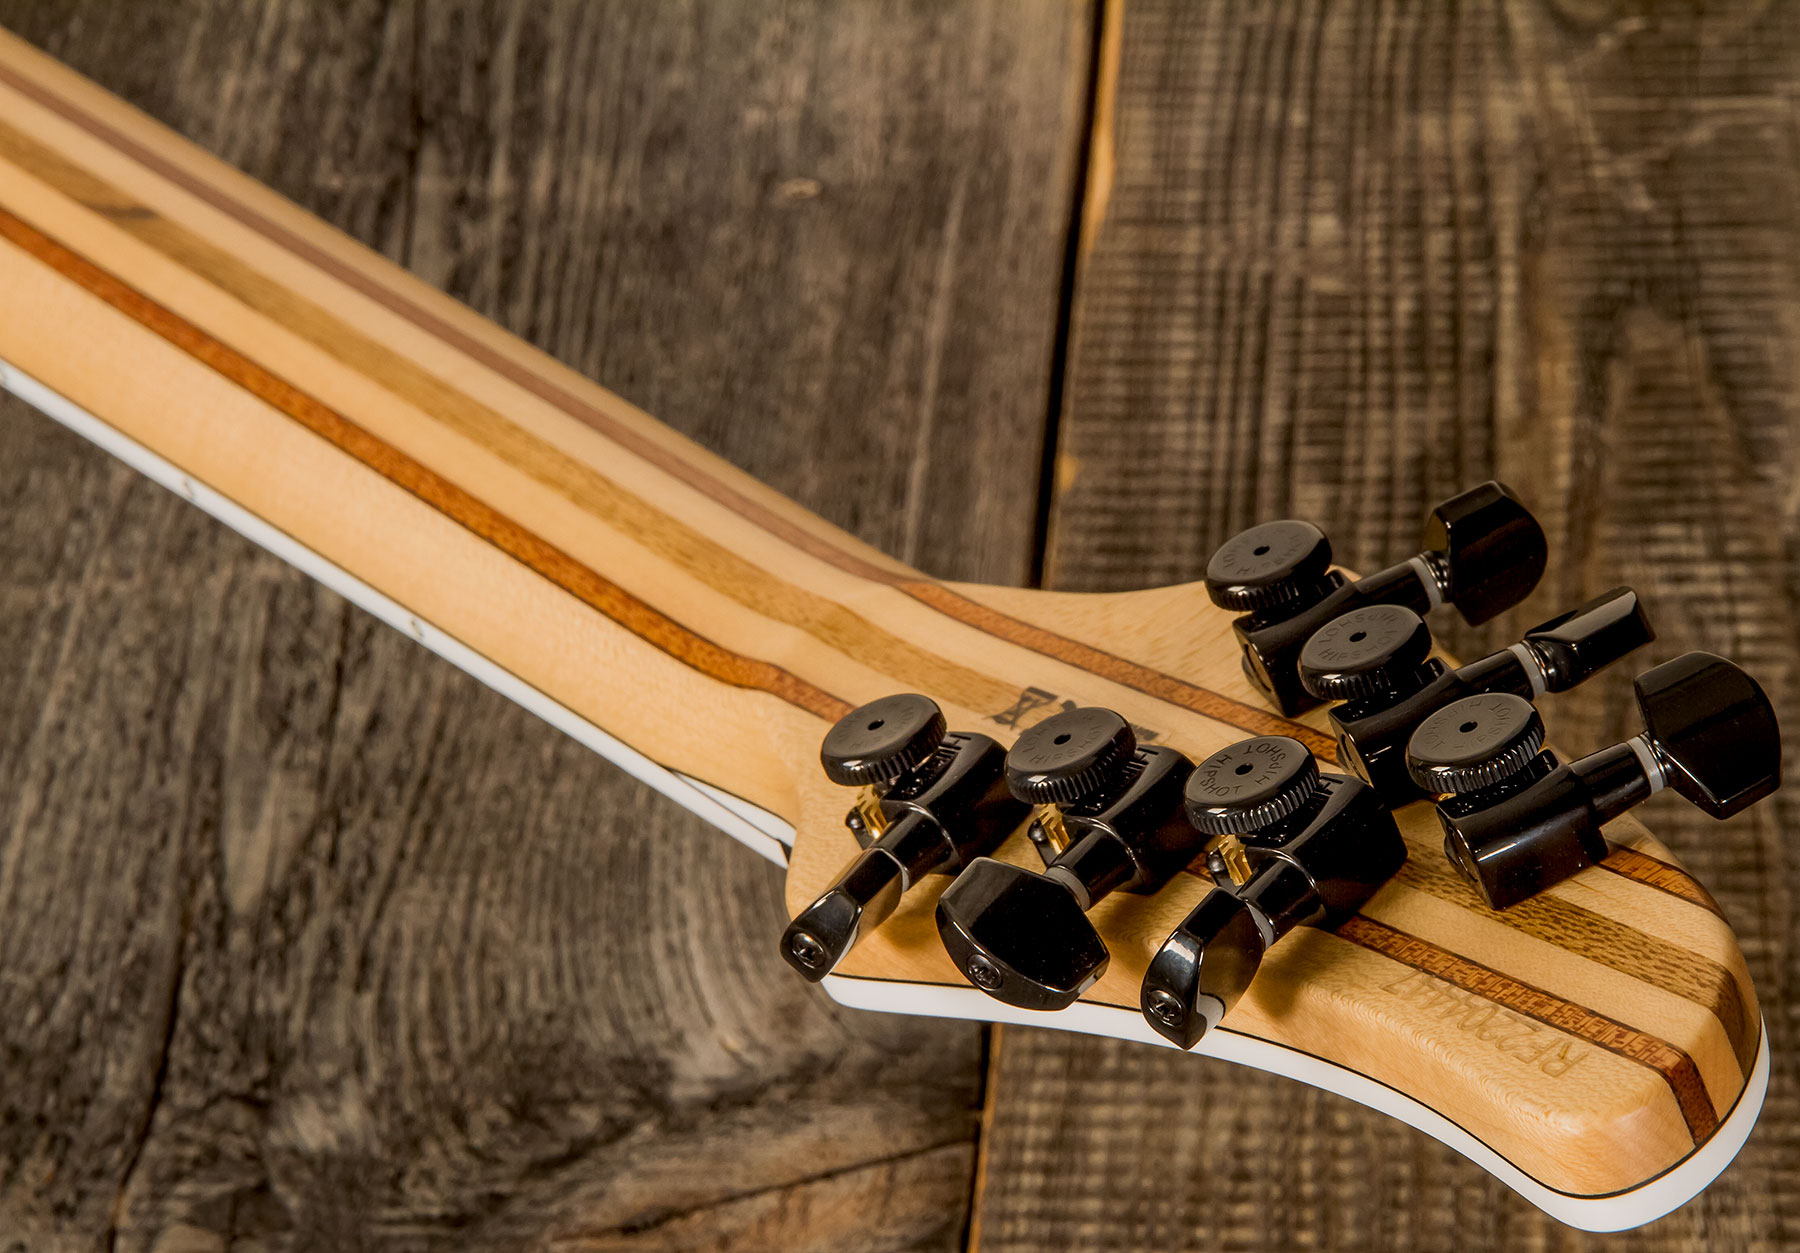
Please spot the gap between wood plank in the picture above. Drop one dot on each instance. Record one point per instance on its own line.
(1087, 204)
(1103, 47)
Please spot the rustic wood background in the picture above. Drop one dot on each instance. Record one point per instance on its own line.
(307, 941)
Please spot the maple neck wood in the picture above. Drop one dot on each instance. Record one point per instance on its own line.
(534, 517)
(704, 631)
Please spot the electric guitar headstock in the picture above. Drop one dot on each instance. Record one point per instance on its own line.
(1260, 817)
(1263, 818)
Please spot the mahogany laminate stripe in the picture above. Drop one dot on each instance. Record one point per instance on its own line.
(473, 514)
(1598, 938)
(934, 595)
(1628, 863)
(1616, 945)
(1675, 1066)
(1126, 673)
(596, 494)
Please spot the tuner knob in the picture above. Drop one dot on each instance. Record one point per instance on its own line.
(1475, 743)
(879, 742)
(1250, 786)
(1576, 645)
(1025, 938)
(1269, 567)
(1483, 552)
(1203, 969)
(1710, 733)
(1070, 757)
(1372, 730)
(1377, 651)
(933, 801)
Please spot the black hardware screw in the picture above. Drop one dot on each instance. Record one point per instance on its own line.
(806, 950)
(1166, 1008)
(984, 974)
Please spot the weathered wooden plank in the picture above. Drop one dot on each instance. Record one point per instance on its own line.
(312, 942)
(1354, 257)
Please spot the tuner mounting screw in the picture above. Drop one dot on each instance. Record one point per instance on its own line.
(806, 950)
(1166, 1008)
(984, 974)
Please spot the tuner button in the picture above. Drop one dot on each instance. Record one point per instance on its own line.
(1492, 550)
(1203, 969)
(1474, 743)
(1254, 783)
(1268, 567)
(1713, 732)
(882, 740)
(864, 895)
(1367, 652)
(1070, 756)
(1022, 938)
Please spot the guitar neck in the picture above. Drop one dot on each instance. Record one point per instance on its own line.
(701, 630)
(536, 528)
(653, 600)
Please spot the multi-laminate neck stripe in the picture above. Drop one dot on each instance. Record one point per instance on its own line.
(1628, 863)
(1608, 942)
(1674, 1065)
(1625, 950)
(934, 595)
(475, 515)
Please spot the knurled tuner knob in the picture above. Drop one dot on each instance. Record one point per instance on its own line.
(882, 740)
(1268, 566)
(1367, 652)
(1475, 743)
(1244, 788)
(1070, 756)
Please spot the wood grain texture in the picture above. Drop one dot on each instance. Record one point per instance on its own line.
(651, 589)
(597, 556)
(313, 942)
(1353, 257)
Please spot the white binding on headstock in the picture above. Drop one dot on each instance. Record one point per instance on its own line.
(1620, 1211)
(772, 837)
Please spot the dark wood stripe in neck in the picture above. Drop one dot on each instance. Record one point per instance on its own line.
(1628, 863)
(942, 599)
(473, 514)
(1610, 943)
(1675, 1066)
(1125, 673)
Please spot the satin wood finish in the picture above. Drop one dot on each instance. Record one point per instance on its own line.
(1592, 1037)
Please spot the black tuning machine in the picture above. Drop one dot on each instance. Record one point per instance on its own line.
(1376, 661)
(1316, 846)
(1108, 818)
(1483, 553)
(1515, 822)
(930, 800)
